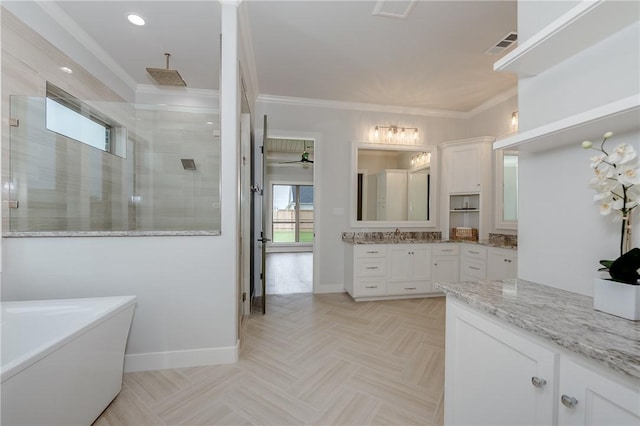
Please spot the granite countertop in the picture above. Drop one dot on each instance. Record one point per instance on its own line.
(565, 318)
(416, 238)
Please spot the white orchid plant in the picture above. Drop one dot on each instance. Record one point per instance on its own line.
(617, 186)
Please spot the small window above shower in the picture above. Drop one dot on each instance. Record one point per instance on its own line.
(74, 119)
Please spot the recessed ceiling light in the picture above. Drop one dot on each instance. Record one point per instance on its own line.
(135, 19)
(66, 69)
(210, 123)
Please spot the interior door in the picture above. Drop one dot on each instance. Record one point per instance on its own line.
(259, 293)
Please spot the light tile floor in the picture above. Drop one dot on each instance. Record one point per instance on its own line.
(289, 273)
(312, 359)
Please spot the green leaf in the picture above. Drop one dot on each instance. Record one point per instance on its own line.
(607, 264)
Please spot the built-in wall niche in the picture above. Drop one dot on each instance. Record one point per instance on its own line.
(393, 186)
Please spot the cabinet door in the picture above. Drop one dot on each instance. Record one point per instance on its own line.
(399, 263)
(464, 175)
(501, 264)
(490, 372)
(597, 400)
(445, 269)
(420, 263)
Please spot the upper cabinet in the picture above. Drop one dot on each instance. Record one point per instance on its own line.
(466, 188)
(582, 27)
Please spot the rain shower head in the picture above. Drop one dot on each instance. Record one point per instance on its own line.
(166, 77)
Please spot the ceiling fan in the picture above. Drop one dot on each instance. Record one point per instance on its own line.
(304, 159)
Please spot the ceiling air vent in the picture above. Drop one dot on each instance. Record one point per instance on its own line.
(506, 42)
(393, 8)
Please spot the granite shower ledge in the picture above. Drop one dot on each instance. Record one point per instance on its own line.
(58, 234)
(564, 318)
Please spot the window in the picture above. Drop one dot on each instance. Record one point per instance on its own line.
(292, 208)
(68, 116)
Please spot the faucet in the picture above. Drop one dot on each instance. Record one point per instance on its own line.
(397, 232)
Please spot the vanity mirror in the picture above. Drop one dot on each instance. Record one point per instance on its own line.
(393, 185)
(506, 179)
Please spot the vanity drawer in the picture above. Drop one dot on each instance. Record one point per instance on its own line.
(411, 287)
(473, 271)
(370, 267)
(370, 250)
(474, 251)
(445, 249)
(370, 287)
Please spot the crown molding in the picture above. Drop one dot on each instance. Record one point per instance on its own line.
(68, 25)
(357, 106)
(498, 99)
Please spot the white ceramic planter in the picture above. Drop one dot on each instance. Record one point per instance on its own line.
(622, 300)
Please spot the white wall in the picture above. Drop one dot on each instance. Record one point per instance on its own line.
(561, 236)
(186, 286)
(335, 129)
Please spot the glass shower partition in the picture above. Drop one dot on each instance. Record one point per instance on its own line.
(56, 184)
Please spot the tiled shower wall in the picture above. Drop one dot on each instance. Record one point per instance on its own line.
(64, 185)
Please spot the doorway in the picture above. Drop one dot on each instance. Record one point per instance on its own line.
(290, 196)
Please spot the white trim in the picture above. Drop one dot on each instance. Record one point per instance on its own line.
(358, 106)
(328, 288)
(496, 100)
(180, 359)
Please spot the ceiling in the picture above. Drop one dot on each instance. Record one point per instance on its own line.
(328, 50)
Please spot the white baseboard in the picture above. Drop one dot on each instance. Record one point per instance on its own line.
(180, 359)
(329, 288)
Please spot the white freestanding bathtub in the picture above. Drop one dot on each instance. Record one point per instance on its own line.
(62, 360)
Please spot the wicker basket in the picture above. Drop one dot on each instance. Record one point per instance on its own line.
(470, 234)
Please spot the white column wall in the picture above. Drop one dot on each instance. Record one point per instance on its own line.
(561, 235)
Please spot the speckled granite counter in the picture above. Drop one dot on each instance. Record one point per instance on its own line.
(566, 318)
(414, 238)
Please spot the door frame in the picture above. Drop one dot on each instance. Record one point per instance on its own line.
(317, 187)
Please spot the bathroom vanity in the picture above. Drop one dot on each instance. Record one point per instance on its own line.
(408, 264)
(521, 353)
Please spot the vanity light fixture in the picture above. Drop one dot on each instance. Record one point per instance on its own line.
(395, 134)
(420, 159)
(514, 120)
(135, 19)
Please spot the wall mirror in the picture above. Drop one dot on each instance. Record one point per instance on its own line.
(393, 185)
(506, 190)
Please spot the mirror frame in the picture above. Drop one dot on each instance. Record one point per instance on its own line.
(431, 223)
(500, 223)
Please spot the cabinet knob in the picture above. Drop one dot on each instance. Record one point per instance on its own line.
(568, 401)
(538, 382)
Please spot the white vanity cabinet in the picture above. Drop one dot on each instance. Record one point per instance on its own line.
(497, 374)
(494, 376)
(445, 259)
(473, 262)
(589, 398)
(502, 264)
(408, 269)
(465, 173)
(365, 270)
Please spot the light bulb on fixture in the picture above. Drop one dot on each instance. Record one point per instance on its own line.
(415, 135)
(375, 133)
(514, 120)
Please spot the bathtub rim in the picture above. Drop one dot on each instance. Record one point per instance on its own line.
(23, 362)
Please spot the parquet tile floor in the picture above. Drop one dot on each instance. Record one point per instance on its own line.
(312, 359)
